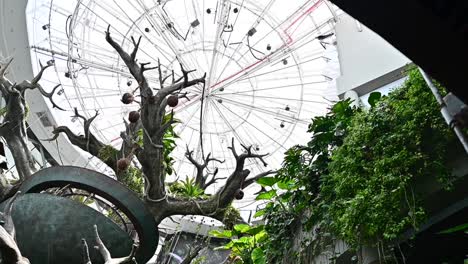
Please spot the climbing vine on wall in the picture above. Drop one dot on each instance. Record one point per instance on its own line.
(369, 194)
(296, 187)
(356, 177)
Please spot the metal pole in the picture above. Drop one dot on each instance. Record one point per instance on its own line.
(443, 109)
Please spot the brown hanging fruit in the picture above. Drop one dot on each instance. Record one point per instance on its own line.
(239, 194)
(128, 98)
(133, 116)
(173, 100)
(123, 164)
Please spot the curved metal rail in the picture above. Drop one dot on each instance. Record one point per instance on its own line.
(109, 189)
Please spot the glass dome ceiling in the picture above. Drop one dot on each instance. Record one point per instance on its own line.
(269, 67)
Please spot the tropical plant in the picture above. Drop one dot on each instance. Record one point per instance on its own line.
(245, 243)
(187, 189)
(355, 179)
(294, 191)
(369, 195)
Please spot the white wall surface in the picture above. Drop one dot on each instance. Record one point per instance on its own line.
(363, 54)
(14, 43)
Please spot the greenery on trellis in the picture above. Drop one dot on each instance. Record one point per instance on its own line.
(355, 178)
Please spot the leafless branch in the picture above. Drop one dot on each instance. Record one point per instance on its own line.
(248, 154)
(214, 206)
(34, 84)
(102, 248)
(129, 137)
(88, 143)
(262, 190)
(5, 68)
(129, 60)
(233, 149)
(214, 179)
(200, 179)
(254, 179)
(136, 47)
(85, 252)
(144, 68)
(87, 122)
(165, 78)
(161, 81)
(106, 254)
(184, 95)
(180, 84)
(38, 77)
(50, 95)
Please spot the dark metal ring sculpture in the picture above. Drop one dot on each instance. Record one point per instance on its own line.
(126, 200)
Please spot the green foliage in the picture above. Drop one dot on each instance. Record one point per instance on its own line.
(266, 195)
(133, 179)
(231, 217)
(355, 178)
(107, 153)
(246, 243)
(187, 189)
(3, 111)
(295, 187)
(374, 97)
(368, 194)
(199, 260)
(168, 143)
(267, 181)
(26, 110)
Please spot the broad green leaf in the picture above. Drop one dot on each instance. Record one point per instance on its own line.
(463, 227)
(221, 234)
(226, 247)
(266, 195)
(374, 98)
(258, 256)
(285, 197)
(259, 213)
(289, 185)
(255, 230)
(261, 236)
(242, 228)
(341, 106)
(242, 241)
(267, 181)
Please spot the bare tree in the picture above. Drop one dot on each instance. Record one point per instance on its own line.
(153, 110)
(153, 119)
(13, 128)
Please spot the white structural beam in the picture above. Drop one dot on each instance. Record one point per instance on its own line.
(14, 43)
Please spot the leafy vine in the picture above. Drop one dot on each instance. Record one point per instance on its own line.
(356, 178)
